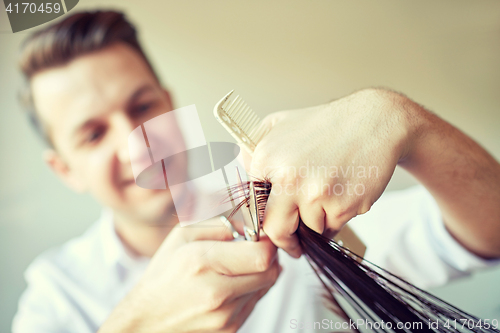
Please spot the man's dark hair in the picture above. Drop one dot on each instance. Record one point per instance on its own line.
(76, 35)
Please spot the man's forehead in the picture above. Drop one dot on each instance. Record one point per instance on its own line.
(89, 85)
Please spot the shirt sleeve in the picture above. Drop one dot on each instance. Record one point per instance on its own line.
(36, 310)
(405, 234)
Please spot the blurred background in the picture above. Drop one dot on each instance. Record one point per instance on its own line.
(278, 55)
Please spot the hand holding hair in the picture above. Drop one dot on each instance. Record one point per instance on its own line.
(331, 162)
(198, 281)
(376, 129)
(370, 293)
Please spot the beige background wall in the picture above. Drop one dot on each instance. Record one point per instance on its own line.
(278, 55)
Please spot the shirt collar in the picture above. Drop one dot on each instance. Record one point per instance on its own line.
(114, 251)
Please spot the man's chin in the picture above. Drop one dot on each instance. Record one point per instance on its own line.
(157, 208)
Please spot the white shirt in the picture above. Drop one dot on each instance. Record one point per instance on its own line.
(405, 234)
(74, 288)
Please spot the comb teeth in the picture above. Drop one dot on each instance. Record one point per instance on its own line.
(240, 121)
(244, 117)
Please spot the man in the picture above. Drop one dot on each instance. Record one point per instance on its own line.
(90, 85)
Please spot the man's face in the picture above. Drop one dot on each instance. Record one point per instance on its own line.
(89, 107)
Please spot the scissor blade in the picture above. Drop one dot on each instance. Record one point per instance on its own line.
(253, 209)
(251, 233)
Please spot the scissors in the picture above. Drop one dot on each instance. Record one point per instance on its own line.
(251, 225)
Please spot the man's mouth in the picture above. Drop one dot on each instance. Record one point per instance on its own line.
(127, 182)
(153, 177)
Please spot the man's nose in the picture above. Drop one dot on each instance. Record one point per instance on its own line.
(123, 153)
(132, 148)
(124, 127)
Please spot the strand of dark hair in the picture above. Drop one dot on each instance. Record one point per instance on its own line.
(375, 294)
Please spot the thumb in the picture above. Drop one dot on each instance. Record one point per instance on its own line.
(212, 229)
(244, 158)
(254, 163)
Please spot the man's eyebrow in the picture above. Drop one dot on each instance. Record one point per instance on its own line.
(141, 90)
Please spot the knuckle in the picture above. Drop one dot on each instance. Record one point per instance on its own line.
(222, 269)
(313, 202)
(214, 298)
(288, 177)
(192, 260)
(337, 217)
(268, 120)
(260, 160)
(380, 95)
(364, 208)
(279, 236)
(221, 321)
(373, 92)
(341, 211)
(282, 174)
(197, 267)
(275, 273)
(233, 328)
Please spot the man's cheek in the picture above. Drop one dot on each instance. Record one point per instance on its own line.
(102, 177)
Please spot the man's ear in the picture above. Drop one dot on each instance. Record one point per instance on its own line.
(62, 170)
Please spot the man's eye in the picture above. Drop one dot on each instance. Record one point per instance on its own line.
(95, 135)
(142, 108)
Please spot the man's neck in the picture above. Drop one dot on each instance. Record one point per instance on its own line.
(141, 239)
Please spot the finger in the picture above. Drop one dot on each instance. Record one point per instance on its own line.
(333, 225)
(212, 229)
(281, 220)
(248, 307)
(237, 258)
(250, 283)
(314, 217)
(265, 126)
(237, 222)
(244, 158)
(233, 310)
(337, 218)
(272, 119)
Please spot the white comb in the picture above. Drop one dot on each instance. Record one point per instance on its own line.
(240, 121)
